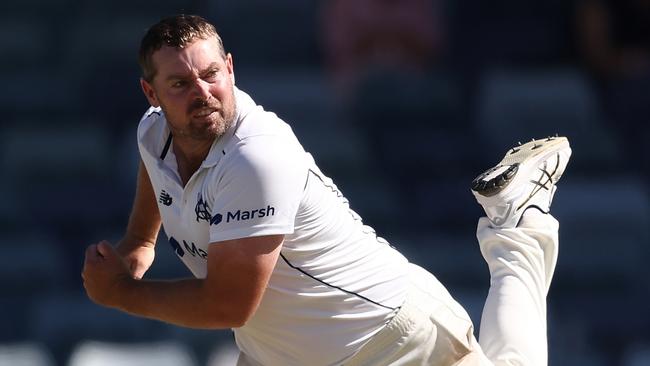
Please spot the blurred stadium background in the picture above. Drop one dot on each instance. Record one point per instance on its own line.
(401, 102)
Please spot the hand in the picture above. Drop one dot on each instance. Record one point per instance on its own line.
(139, 260)
(103, 273)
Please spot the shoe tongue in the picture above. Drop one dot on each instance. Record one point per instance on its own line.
(496, 172)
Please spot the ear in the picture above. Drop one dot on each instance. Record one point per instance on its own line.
(148, 91)
(230, 67)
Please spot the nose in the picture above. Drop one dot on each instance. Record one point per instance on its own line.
(202, 89)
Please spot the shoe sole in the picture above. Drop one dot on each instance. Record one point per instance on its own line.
(530, 154)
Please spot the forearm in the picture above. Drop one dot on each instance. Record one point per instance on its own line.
(144, 221)
(238, 274)
(137, 245)
(186, 302)
(130, 243)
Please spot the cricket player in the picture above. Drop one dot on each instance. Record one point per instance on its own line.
(278, 255)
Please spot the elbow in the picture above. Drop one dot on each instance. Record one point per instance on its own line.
(238, 323)
(232, 316)
(240, 316)
(219, 321)
(230, 309)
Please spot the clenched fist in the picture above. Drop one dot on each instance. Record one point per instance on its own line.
(104, 273)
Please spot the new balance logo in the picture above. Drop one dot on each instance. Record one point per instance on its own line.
(243, 215)
(165, 198)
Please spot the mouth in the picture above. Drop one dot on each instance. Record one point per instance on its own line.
(204, 112)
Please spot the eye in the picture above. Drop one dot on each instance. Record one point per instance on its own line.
(179, 84)
(211, 75)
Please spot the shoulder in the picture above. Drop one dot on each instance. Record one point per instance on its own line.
(152, 118)
(262, 137)
(152, 132)
(263, 156)
(253, 121)
(260, 122)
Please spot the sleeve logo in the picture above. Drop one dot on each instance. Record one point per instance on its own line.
(244, 215)
(216, 219)
(202, 211)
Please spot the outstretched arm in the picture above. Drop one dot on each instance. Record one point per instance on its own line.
(238, 273)
(137, 245)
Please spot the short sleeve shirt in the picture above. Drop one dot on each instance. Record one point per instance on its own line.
(336, 282)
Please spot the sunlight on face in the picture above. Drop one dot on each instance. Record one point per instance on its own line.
(195, 88)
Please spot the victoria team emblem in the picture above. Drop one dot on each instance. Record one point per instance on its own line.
(202, 210)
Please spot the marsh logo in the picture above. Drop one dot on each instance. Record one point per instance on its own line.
(216, 219)
(243, 215)
(190, 248)
(176, 246)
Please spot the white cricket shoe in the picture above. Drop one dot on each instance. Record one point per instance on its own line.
(524, 179)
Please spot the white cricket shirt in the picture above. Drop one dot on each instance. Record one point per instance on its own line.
(335, 284)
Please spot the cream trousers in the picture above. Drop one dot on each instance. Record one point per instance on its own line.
(431, 328)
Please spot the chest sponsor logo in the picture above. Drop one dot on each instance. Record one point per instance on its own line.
(165, 198)
(244, 215)
(190, 248)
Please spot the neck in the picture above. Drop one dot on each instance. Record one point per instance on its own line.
(190, 154)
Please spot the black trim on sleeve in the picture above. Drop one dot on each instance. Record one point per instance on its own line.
(332, 286)
(334, 190)
(166, 148)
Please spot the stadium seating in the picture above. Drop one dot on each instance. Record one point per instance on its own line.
(133, 354)
(223, 355)
(637, 355)
(258, 47)
(403, 147)
(597, 216)
(65, 319)
(520, 105)
(25, 354)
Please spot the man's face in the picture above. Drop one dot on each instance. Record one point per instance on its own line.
(194, 87)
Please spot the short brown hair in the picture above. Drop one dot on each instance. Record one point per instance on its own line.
(176, 31)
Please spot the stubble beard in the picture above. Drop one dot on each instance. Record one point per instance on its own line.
(221, 121)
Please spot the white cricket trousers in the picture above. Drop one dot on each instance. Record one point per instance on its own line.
(431, 328)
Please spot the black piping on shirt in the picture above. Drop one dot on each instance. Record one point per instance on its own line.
(166, 148)
(332, 286)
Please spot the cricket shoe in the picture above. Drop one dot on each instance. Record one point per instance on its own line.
(524, 179)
